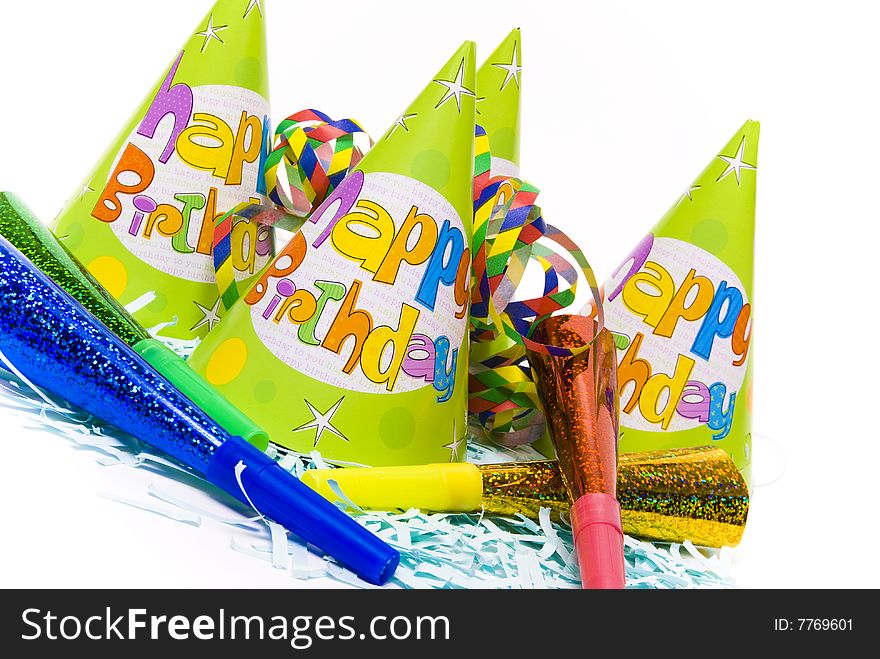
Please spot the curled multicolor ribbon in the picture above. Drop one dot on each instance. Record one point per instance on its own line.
(312, 155)
(482, 161)
(503, 401)
(222, 247)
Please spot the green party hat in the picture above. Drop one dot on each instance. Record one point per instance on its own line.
(354, 339)
(142, 221)
(435, 131)
(680, 306)
(498, 103)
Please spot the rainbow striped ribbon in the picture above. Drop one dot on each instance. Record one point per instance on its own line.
(312, 155)
(503, 401)
(223, 270)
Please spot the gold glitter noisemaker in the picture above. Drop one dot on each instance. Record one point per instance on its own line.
(694, 494)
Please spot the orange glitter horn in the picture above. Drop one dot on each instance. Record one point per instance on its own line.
(579, 396)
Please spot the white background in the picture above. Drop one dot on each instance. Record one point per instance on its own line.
(624, 104)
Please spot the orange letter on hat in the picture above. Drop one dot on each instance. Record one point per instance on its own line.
(133, 162)
(677, 309)
(399, 252)
(349, 322)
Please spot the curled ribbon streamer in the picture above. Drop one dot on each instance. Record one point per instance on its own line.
(507, 225)
(222, 247)
(312, 155)
(482, 161)
(503, 402)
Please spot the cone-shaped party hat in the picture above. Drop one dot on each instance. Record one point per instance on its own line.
(353, 340)
(142, 221)
(680, 305)
(498, 102)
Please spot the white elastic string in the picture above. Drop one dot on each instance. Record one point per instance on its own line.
(157, 329)
(783, 459)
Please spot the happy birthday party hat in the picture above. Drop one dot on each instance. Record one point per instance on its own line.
(498, 103)
(142, 221)
(680, 306)
(353, 339)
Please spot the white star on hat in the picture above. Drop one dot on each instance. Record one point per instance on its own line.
(735, 164)
(513, 69)
(210, 32)
(401, 122)
(455, 88)
(322, 421)
(250, 7)
(454, 445)
(689, 193)
(210, 317)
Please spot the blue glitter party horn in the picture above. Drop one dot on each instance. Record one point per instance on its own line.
(59, 346)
